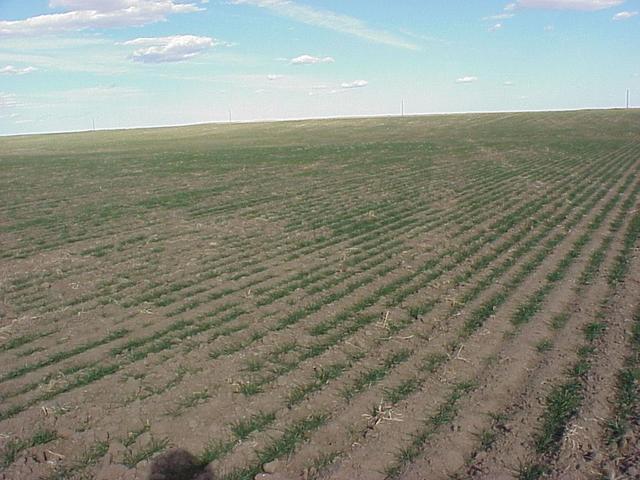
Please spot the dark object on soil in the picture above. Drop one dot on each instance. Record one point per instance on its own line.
(178, 464)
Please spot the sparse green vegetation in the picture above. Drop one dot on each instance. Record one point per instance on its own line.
(564, 400)
(15, 446)
(305, 291)
(544, 345)
(627, 402)
(444, 415)
(244, 427)
(135, 455)
(562, 405)
(531, 472)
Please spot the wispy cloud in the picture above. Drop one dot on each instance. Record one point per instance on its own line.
(8, 100)
(586, 5)
(468, 79)
(175, 48)
(55, 42)
(83, 15)
(81, 52)
(422, 38)
(506, 14)
(329, 20)
(624, 15)
(11, 70)
(499, 16)
(343, 88)
(310, 60)
(79, 96)
(98, 92)
(354, 84)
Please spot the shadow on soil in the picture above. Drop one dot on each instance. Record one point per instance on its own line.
(178, 464)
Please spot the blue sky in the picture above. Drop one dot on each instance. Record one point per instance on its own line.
(126, 63)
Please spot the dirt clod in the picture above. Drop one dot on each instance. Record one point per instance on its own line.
(271, 467)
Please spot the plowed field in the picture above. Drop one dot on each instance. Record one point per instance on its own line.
(416, 298)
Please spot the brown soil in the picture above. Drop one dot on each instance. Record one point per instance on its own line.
(240, 280)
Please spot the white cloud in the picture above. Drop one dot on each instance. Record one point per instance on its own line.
(8, 100)
(505, 15)
(310, 60)
(98, 5)
(315, 92)
(96, 14)
(272, 77)
(170, 49)
(586, 5)
(500, 16)
(326, 90)
(468, 79)
(624, 15)
(549, 28)
(354, 84)
(329, 20)
(11, 70)
(508, 83)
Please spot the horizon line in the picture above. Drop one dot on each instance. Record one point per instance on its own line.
(298, 119)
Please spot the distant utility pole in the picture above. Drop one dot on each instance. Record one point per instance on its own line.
(628, 98)
(402, 108)
(93, 123)
(229, 115)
